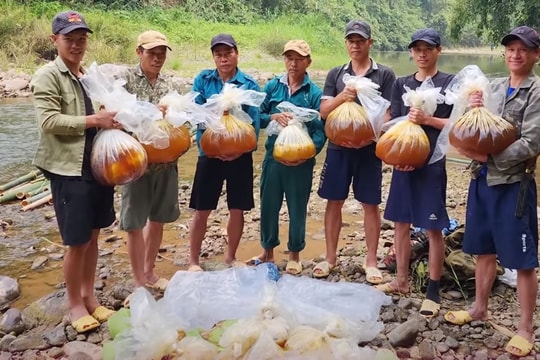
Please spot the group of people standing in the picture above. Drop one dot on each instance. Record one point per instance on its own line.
(68, 121)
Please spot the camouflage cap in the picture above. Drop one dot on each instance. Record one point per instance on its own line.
(68, 21)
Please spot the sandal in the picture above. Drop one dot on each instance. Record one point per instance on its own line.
(102, 314)
(85, 323)
(429, 309)
(388, 289)
(294, 267)
(460, 317)
(519, 346)
(373, 275)
(323, 268)
(160, 285)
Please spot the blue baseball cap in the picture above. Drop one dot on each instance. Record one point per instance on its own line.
(428, 35)
(68, 21)
(526, 34)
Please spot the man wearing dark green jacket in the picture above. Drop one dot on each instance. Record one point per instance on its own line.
(292, 180)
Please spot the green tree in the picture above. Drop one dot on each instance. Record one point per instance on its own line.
(493, 17)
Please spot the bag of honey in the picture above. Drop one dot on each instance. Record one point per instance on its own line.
(233, 134)
(293, 143)
(406, 143)
(354, 123)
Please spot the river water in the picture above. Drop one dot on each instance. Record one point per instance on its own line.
(18, 141)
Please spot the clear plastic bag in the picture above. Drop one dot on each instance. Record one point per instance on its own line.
(293, 142)
(196, 348)
(352, 123)
(137, 117)
(117, 158)
(152, 334)
(480, 129)
(406, 143)
(233, 134)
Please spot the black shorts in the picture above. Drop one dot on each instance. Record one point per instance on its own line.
(208, 183)
(81, 206)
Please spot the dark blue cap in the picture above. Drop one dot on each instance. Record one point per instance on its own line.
(428, 35)
(358, 27)
(526, 34)
(68, 21)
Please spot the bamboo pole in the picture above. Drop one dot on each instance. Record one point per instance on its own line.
(19, 191)
(40, 202)
(31, 175)
(45, 185)
(34, 198)
(23, 190)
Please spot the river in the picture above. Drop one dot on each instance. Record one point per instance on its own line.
(18, 140)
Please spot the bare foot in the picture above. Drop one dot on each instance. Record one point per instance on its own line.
(77, 312)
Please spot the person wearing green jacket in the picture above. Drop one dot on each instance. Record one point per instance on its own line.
(292, 180)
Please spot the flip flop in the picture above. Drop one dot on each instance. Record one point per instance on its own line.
(324, 268)
(160, 285)
(373, 275)
(459, 317)
(429, 309)
(294, 267)
(519, 346)
(195, 268)
(388, 289)
(85, 323)
(102, 314)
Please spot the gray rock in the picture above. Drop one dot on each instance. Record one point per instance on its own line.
(427, 350)
(94, 352)
(15, 84)
(55, 336)
(12, 322)
(5, 341)
(442, 348)
(39, 262)
(386, 354)
(29, 341)
(9, 289)
(49, 310)
(405, 334)
(451, 342)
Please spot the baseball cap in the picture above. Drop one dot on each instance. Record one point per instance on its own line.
(299, 46)
(224, 39)
(526, 34)
(68, 21)
(428, 35)
(358, 27)
(151, 39)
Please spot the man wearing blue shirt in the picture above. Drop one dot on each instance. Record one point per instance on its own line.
(236, 170)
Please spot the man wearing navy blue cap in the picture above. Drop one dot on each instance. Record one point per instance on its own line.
(417, 196)
(501, 204)
(211, 173)
(68, 124)
(350, 164)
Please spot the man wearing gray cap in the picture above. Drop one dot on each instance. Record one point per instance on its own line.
(152, 200)
(347, 164)
(67, 126)
(501, 204)
(236, 171)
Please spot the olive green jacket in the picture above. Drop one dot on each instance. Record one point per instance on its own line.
(61, 119)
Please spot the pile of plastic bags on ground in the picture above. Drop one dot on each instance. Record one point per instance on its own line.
(248, 314)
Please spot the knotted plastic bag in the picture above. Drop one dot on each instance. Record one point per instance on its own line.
(354, 124)
(233, 134)
(117, 158)
(293, 142)
(137, 117)
(479, 129)
(406, 143)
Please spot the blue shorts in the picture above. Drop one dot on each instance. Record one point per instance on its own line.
(492, 228)
(418, 197)
(359, 166)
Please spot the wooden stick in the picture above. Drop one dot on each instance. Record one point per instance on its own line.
(40, 202)
(31, 175)
(35, 198)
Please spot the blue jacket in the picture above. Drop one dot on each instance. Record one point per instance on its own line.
(307, 96)
(208, 83)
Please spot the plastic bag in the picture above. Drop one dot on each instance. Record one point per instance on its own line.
(233, 134)
(480, 129)
(293, 142)
(196, 348)
(137, 117)
(353, 123)
(152, 335)
(117, 158)
(179, 139)
(183, 108)
(406, 143)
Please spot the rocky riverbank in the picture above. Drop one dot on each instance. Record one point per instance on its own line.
(40, 330)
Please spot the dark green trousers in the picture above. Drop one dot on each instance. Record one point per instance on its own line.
(293, 182)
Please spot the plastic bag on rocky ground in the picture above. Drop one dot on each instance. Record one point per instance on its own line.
(202, 299)
(152, 334)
